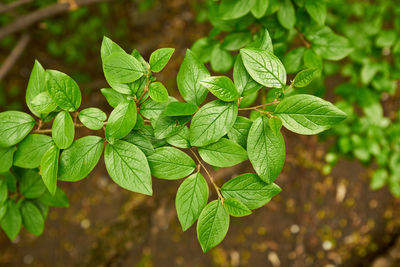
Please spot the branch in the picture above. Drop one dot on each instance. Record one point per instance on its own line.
(14, 55)
(13, 5)
(44, 13)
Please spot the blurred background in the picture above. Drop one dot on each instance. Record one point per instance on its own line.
(320, 219)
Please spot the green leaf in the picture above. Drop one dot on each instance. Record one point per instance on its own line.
(317, 10)
(264, 67)
(92, 118)
(43, 103)
(191, 72)
(293, 60)
(77, 161)
(307, 114)
(379, 179)
(249, 189)
(3, 192)
(244, 83)
(304, 78)
(108, 47)
(286, 15)
(166, 126)
(170, 163)
(141, 141)
(14, 126)
(63, 130)
(128, 167)
(160, 58)
(259, 9)
(236, 208)
(233, 9)
(191, 199)
(213, 225)
(275, 124)
(63, 90)
(158, 92)
(202, 48)
(58, 200)
(11, 222)
(221, 60)
(266, 150)
(113, 97)
(222, 87)
(49, 168)
(36, 85)
(3, 210)
(312, 60)
(329, 45)
(181, 139)
(121, 121)
(31, 150)
(263, 41)
(6, 158)
(240, 130)
(211, 122)
(180, 109)
(31, 185)
(32, 218)
(235, 40)
(120, 67)
(224, 153)
(151, 109)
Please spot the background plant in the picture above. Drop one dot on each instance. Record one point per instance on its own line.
(150, 133)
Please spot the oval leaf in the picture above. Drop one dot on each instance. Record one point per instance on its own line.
(160, 58)
(31, 150)
(63, 130)
(92, 118)
(49, 168)
(14, 126)
(121, 121)
(158, 92)
(63, 90)
(236, 208)
(222, 87)
(224, 153)
(120, 67)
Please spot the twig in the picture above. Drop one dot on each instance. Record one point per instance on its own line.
(209, 176)
(14, 55)
(9, 7)
(304, 41)
(25, 21)
(275, 102)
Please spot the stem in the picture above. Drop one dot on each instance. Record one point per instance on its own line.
(275, 102)
(304, 41)
(146, 88)
(42, 131)
(209, 176)
(38, 130)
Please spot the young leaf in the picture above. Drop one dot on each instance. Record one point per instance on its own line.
(6, 158)
(113, 97)
(31, 185)
(120, 67)
(58, 200)
(304, 78)
(244, 83)
(170, 163)
(224, 153)
(307, 114)
(14, 126)
(108, 47)
(77, 161)
(317, 10)
(222, 87)
(213, 225)
(249, 189)
(275, 124)
(264, 67)
(221, 59)
(63, 90)
(43, 103)
(266, 150)
(181, 139)
(286, 15)
(236, 208)
(158, 92)
(179, 109)
(31, 150)
(211, 122)
(191, 72)
(191, 199)
(240, 130)
(49, 168)
(160, 58)
(128, 167)
(32, 218)
(92, 118)
(36, 85)
(121, 121)
(11, 222)
(63, 130)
